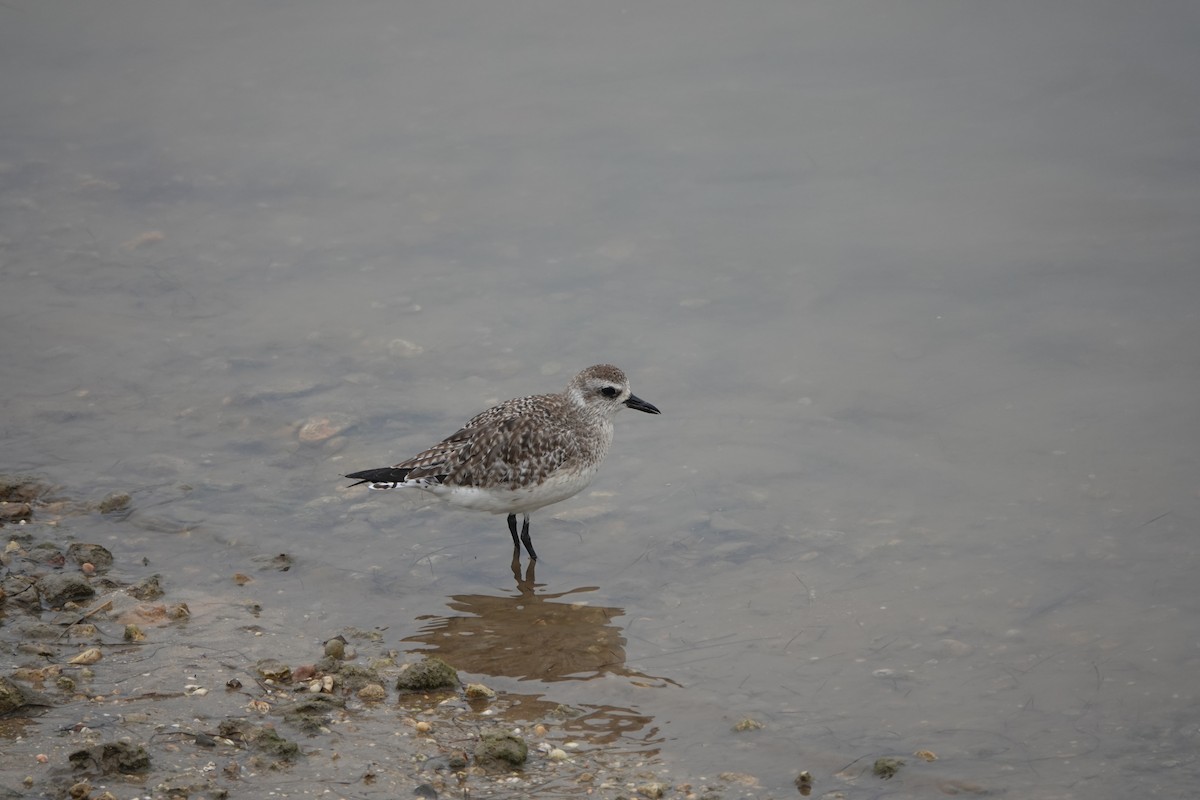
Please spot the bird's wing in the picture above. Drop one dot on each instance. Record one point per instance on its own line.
(511, 450)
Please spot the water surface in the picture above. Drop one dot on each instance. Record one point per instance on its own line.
(914, 285)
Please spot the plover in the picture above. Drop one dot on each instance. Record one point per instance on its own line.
(523, 454)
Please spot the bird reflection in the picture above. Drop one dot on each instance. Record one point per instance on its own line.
(530, 636)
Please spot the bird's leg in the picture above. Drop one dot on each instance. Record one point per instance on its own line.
(525, 540)
(512, 528)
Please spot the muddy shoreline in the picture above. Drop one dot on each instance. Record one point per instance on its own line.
(111, 696)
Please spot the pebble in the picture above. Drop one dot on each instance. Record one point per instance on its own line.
(336, 648)
(372, 693)
(326, 426)
(15, 511)
(477, 691)
(89, 656)
(953, 648)
(57, 589)
(274, 670)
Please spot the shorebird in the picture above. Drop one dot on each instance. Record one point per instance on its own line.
(523, 454)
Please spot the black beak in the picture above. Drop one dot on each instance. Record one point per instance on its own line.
(638, 403)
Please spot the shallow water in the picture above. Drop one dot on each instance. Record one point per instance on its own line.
(913, 285)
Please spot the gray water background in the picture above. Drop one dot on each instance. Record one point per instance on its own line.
(914, 283)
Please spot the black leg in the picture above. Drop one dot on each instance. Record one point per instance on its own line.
(512, 528)
(525, 540)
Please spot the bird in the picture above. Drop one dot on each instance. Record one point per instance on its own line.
(522, 455)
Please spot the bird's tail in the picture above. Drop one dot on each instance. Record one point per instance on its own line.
(382, 478)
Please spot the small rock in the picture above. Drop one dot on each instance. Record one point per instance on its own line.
(89, 656)
(804, 783)
(12, 696)
(112, 758)
(319, 428)
(886, 767)
(147, 588)
(953, 648)
(84, 630)
(477, 691)
(22, 590)
(430, 673)
(47, 553)
(652, 790)
(355, 676)
(14, 488)
(13, 512)
(274, 670)
(372, 693)
(336, 647)
(117, 501)
(270, 742)
(501, 748)
(82, 553)
(62, 587)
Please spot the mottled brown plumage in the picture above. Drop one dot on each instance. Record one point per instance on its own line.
(523, 454)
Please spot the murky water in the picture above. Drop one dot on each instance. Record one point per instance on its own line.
(914, 286)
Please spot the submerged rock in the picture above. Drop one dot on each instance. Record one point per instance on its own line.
(355, 677)
(275, 745)
(59, 588)
(147, 588)
(312, 713)
(99, 557)
(20, 589)
(11, 696)
(326, 426)
(15, 512)
(263, 738)
(501, 748)
(112, 758)
(887, 767)
(117, 501)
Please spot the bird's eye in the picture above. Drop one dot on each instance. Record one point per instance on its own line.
(609, 391)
